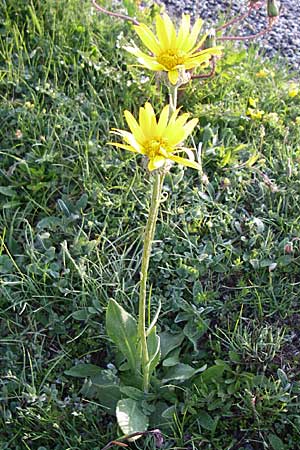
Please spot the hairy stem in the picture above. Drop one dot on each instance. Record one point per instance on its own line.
(148, 241)
(173, 91)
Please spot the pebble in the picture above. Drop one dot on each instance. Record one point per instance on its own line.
(282, 41)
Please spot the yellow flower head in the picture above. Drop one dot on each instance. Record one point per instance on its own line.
(255, 114)
(293, 90)
(261, 73)
(171, 52)
(252, 102)
(158, 140)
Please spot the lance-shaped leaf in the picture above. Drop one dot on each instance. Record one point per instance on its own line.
(121, 327)
(153, 344)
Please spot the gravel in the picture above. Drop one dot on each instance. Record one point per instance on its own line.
(282, 40)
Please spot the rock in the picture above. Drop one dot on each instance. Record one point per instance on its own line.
(283, 39)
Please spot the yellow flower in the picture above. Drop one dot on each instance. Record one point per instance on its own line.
(262, 73)
(293, 90)
(252, 102)
(255, 114)
(158, 140)
(171, 52)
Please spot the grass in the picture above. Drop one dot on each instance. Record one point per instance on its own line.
(226, 260)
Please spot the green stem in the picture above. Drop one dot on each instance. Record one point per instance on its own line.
(173, 90)
(148, 241)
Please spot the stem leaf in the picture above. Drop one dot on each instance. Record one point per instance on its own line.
(154, 320)
(153, 344)
(121, 327)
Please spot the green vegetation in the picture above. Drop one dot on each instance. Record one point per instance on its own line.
(225, 263)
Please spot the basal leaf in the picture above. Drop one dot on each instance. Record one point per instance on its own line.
(83, 370)
(121, 327)
(205, 420)
(276, 442)
(179, 373)
(172, 359)
(169, 341)
(104, 387)
(130, 417)
(7, 191)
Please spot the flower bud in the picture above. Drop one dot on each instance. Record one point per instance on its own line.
(288, 248)
(210, 40)
(256, 4)
(273, 8)
(225, 183)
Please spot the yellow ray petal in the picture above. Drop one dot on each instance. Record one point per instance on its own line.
(192, 64)
(174, 135)
(173, 117)
(173, 76)
(144, 59)
(125, 147)
(165, 32)
(180, 121)
(163, 120)
(151, 64)
(189, 152)
(156, 163)
(192, 37)
(148, 38)
(185, 162)
(135, 128)
(184, 31)
(216, 51)
(147, 121)
(198, 44)
(128, 138)
(188, 127)
(170, 29)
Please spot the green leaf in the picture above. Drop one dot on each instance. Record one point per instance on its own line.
(104, 387)
(153, 344)
(180, 373)
(63, 207)
(169, 412)
(81, 314)
(276, 442)
(234, 356)
(172, 359)
(132, 392)
(213, 373)
(205, 420)
(6, 265)
(121, 327)
(7, 191)
(49, 222)
(192, 333)
(283, 378)
(83, 370)
(130, 417)
(154, 320)
(169, 341)
(82, 202)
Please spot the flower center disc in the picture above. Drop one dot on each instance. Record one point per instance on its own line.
(170, 59)
(152, 148)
